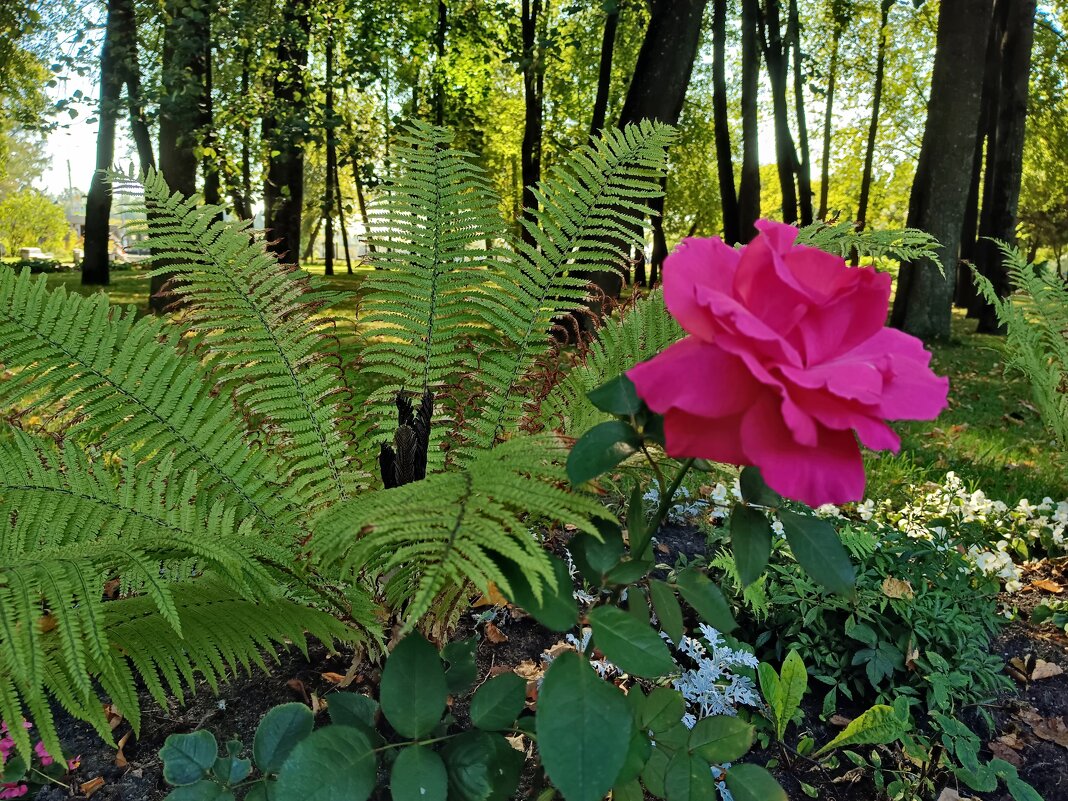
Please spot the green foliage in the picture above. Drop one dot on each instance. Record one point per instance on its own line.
(783, 691)
(843, 238)
(1035, 320)
(29, 219)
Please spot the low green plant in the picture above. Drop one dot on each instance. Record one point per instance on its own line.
(1054, 612)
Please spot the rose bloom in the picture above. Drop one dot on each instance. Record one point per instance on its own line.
(787, 364)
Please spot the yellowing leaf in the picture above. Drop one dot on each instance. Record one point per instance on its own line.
(897, 588)
(878, 725)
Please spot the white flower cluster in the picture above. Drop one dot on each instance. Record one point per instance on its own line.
(683, 509)
(722, 499)
(711, 688)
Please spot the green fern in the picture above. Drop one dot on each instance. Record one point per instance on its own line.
(843, 238)
(1036, 342)
(256, 320)
(448, 529)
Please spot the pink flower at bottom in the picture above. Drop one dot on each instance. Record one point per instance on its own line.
(787, 364)
(42, 754)
(13, 790)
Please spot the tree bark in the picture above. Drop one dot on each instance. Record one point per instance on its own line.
(361, 201)
(341, 220)
(285, 129)
(604, 71)
(873, 125)
(1007, 163)
(210, 162)
(331, 155)
(131, 76)
(439, 64)
(828, 116)
(923, 304)
(95, 266)
(804, 159)
(749, 186)
(533, 84)
(721, 124)
(776, 56)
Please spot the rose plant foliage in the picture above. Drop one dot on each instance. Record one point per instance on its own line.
(786, 357)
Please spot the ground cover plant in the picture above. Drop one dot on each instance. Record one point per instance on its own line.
(193, 494)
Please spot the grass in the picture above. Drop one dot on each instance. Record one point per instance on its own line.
(990, 435)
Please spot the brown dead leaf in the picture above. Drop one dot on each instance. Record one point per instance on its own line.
(1045, 670)
(1047, 585)
(333, 678)
(561, 647)
(1052, 730)
(516, 741)
(897, 588)
(120, 757)
(497, 670)
(949, 794)
(297, 686)
(113, 715)
(111, 589)
(1002, 751)
(47, 623)
(1011, 740)
(317, 704)
(91, 786)
(494, 634)
(840, 720)
(529, 670)
(492, 597)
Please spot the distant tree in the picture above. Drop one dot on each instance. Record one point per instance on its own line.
(29, 219)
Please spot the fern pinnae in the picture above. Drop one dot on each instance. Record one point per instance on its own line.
(256, 320)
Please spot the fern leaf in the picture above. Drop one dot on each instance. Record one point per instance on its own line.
(256, 321)
(448, 529)
(843, 238)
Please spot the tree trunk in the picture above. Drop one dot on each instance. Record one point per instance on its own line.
(313, 237)
(210, 163)
(131, 76)
(181, 104)
(284, 128)
(243, 197)
(721, 124)
(533, 82)
(964, 292)
(828, 116)
(1007, 163)
(604, 71)
(923, 304)
(776, 56)
(873, 125)
(804, 159)
(361, 201)
(95, 267)
(341, 220)
(331, 155)
(749, 185)
(439, 63)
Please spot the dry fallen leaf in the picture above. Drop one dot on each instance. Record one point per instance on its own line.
(897, 588)
(120, 757)
(492, 597)
(949, 794)
(1045, 670)
(1002, 751)
(333, 678)
(1011, 740)
(840, 720)
(516, 741)
(1053, 730)
(528, 670)
(297, 686)
(91, 786)
(494, 634)
(1047, 585)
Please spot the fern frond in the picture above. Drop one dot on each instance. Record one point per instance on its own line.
(430, 231)
(426, 537)
(638, 332)
(125, 384)
(257, 325)
(1036, 341)
(843, 238)
(591, 211)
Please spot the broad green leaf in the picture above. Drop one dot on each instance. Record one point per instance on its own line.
(204, 790)
(793, 684)
(617, 396)
(661, 710)
(638, 605)
(706, 599)
(335, 763)
(460, 668)
(818, 550)
(754, 490)
(418, 775)
(557, 609)
(584, 726)
(498, 702)
(352, 709)
(231, 769)
(655, 770)
(876, 726)
(688, 778)
(750, 542)
(413, 691)
(1021, 790)
(628, 572)
(595, 557)
(753, 783)
(770, 689)
(600, 449)
(629, 643)
(187, 758)
(637, 755)
(720, 739)
(628, 791)
(278, 734)
(481, 767)
(667, 609)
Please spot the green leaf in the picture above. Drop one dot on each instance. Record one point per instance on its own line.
(769, 688)
(557, 609)
(230, 769)
(706, 599)
(204, 790)
(750, 542)
(754, 490)
(688, 778)
(629, 643)
(637, 755)
(584, 729)
(628, 791)
(460, 668)
(418, 775)
(600, 449)
(661, 710)
(278, 734)
(667, 609)
(352, 709)
(481, 767)
(793, 684)
(617, 396)
(187, 758)
(498, 702)
(876, 726)
(595, 557)
(1021, 790)
(628, 572)
(720, 739)
(753, 783)
(413, 691)
(818, 550)
(335, 763)
(655, 770)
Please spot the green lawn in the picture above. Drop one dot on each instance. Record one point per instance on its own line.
(990, 434)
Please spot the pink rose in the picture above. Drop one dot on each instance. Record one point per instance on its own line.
(42, 754)
(13, 790)
(787, 364)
